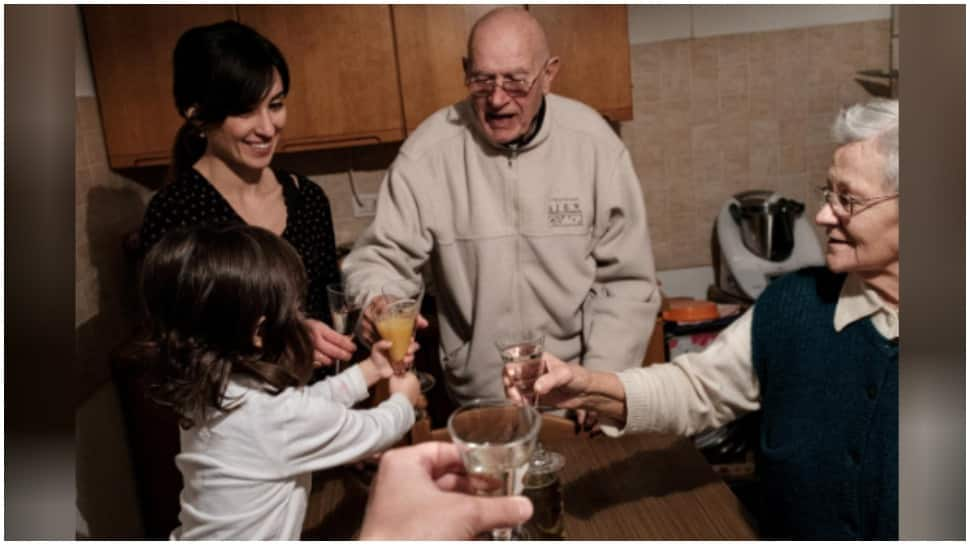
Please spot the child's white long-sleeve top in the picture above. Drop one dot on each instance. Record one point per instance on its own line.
(247, 472)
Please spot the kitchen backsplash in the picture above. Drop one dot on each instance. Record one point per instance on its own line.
(712, 117)
(715, 116)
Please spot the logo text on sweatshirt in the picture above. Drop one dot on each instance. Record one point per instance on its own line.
(564, 212)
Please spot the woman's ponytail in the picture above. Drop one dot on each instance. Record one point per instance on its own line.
(189, 146)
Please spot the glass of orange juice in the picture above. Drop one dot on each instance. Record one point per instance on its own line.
(401, 304)
(395, 323)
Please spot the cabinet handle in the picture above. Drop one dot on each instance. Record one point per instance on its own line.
(151, 160)
(323, 143)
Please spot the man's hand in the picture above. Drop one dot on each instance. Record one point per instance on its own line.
(422, 492)
(328, 345)
(368, 319)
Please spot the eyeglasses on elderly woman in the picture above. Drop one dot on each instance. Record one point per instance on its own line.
(845, 205)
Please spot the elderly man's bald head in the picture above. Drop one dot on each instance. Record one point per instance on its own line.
(510, 27)
(508, 48)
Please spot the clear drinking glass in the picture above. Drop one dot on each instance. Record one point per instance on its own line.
(396, 319)
(345, 311)
(496, 438)
(521, 351)
(395, 323)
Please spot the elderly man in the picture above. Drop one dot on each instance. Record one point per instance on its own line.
(818, 355)
(528, 211)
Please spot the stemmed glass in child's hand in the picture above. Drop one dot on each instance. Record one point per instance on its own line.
(345, 311)
(397, 316)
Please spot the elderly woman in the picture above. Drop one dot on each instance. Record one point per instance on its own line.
(818, 355)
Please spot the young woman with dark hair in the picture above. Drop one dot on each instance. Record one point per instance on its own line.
(230, 86)
(230, 353)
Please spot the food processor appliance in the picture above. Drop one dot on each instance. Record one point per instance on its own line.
(758, 236)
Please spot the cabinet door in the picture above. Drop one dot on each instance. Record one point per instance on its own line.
(593, 46)
(431, 41)
(343, 73)
(131, 57)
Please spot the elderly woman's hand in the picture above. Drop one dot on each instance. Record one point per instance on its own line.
(423, 492)
(563, 385)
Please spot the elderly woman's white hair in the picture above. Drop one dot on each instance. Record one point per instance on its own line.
(878, 118)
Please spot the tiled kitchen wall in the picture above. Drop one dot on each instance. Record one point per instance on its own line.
(712, 117)
(718, 115)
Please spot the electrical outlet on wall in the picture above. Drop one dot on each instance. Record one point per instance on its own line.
(367, 207)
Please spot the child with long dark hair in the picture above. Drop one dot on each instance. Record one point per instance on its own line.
(232, 356)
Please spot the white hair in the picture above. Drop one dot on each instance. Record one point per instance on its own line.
(879, 119)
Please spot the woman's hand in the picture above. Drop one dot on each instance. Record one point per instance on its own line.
(328, 345)
(563, 385)
(597, 396)
(422, 492)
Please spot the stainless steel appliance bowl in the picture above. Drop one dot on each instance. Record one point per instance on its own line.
(766, 222)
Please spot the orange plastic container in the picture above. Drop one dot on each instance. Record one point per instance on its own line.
(690, 310)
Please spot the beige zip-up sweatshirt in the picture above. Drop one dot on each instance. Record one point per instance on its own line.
(551, 236)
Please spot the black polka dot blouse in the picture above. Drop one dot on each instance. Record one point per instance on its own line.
(191, 200)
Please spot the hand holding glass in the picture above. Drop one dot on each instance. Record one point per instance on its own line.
(345, 311)
(496, 439)
(395, 323)
(521, 352)
(397, 313)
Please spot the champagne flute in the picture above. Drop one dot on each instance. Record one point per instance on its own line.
(496, 438)
(396, 321)
(345, 311)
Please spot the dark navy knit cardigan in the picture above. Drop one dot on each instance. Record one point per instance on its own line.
(829, 445)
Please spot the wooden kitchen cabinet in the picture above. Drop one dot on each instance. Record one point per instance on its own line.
(131, 57)
(431, 42)
(360, 74)
(592, 43)
(593, 46)
(343, 73)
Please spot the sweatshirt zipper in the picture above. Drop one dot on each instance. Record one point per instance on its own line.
(518, 234)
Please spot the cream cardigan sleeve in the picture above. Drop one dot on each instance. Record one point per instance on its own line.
(695, 391)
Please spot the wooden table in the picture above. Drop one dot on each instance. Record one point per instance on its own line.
(638, 487)
(645, 487)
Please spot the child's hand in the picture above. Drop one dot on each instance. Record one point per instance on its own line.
(406, 384)
(380, 356)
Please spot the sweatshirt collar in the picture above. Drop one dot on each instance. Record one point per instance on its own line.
(534, 128)
(538, 132)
